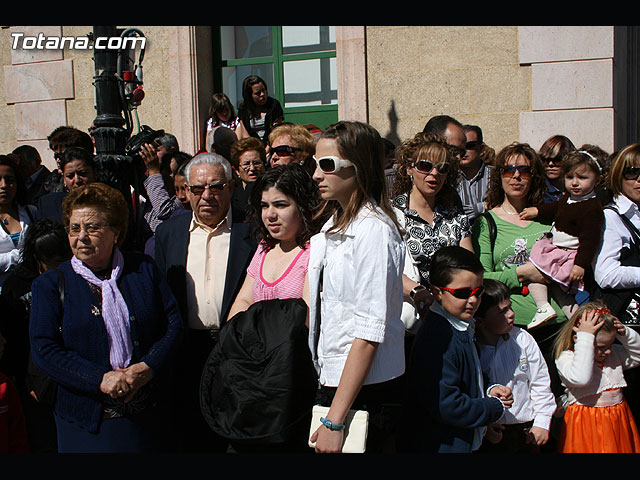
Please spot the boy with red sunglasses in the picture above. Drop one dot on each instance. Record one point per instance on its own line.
(448, 400)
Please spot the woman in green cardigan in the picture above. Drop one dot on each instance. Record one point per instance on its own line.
(518, 181)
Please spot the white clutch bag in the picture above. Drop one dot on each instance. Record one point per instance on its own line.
(355, 431)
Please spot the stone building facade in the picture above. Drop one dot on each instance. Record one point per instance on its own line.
(518, 83)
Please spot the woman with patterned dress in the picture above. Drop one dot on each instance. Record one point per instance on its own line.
(427, 206)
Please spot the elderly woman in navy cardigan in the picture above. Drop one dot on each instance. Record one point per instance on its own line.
(104, 326)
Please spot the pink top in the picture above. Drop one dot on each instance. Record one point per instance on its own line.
(289, 285)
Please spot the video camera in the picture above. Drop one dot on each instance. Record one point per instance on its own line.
(146, 135)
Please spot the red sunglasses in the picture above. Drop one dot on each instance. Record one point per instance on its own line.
(464, 293)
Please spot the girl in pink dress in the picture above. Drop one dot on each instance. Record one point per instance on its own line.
(281, 204)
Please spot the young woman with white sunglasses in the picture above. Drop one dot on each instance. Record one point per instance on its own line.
(355, 285)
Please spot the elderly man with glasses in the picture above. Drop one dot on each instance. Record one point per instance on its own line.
(204, 257)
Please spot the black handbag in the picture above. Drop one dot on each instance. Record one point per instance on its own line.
(619, 299)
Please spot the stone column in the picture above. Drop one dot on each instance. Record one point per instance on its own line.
(190, 83)
(352, 73)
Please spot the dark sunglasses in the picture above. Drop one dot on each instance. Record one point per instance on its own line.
(555, 160)
(457, 151)
(510, 170)
(472, 145)
(332, 164)
(464, 293)
(631, 173)
(425, 166)
(214, 188)
(285, 150)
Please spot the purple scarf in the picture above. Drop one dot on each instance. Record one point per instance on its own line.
(114, 309)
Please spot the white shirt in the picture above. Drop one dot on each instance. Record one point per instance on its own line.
(582, 377)
(207, 258)
(10, 253)
(518, 363)
(607, 270)
(361, 295)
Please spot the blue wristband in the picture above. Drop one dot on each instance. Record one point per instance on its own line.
(330, 425)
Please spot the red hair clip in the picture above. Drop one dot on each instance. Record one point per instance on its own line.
(602, 311)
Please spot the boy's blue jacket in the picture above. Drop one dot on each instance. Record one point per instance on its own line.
(444, 393)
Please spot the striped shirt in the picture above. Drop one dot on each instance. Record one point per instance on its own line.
(518, 363)
(473, 191)
(289, 285)
(161, 205)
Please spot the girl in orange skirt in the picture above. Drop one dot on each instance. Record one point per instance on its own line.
(598, 419)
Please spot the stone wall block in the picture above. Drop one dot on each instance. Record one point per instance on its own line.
(593, 126)
(39, 81)
(584, 84)
(38, 119)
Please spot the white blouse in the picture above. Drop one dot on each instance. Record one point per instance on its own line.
(361, 295)
(607, 270)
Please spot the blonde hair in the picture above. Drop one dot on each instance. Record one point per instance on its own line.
(565, 337)
(629, 155)
(299, 135)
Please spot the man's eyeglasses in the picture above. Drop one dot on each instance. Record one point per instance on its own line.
(285, 150)
(472, 145)
(631, 173)
(74, 229)
(214, 188)
(523, 170)
(332, 164)
(464, 293)
(426, 166)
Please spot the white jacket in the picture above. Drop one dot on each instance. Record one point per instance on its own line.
(361, 295)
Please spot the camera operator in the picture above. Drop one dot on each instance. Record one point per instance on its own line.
(158, 184)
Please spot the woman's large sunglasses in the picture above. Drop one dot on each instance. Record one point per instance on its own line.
(425, 166)
(631, 173)
(285, 150)
(332, 164)
(510, 170)
(464, 293)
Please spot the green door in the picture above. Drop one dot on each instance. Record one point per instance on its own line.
(298, 63)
